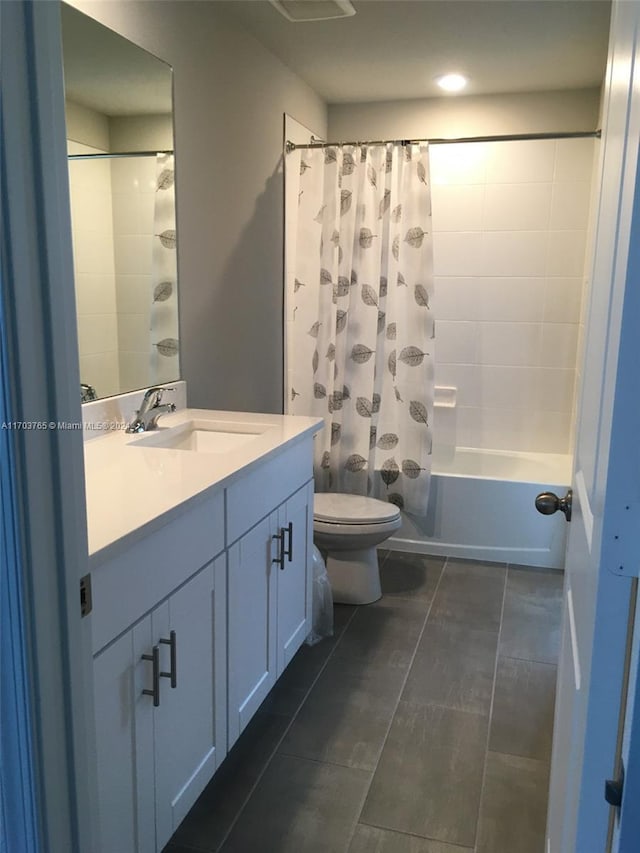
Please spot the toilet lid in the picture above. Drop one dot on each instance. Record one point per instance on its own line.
(352, 509)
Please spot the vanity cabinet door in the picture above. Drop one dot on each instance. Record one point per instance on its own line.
(295, 516)
(252, 590)
(155, 754)
(124, 743)
(189, 723)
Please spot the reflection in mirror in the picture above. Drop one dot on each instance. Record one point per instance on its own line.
(121, 177)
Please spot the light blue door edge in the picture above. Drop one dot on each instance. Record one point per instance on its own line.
(18, 814)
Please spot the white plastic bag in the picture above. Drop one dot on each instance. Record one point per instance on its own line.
(322, 621)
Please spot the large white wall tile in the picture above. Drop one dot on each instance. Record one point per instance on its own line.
(97, 333)
(457, 253)
(457, 298)
(551, 432)
(504, 387)
(467, 426)
(559, 344)
(460, 163)
(563, 300)
(134, 369)
(517, 207)
(510, 299)
(101, 370)
(95, 294)
(507, 323)
(574, 159)
(134, 293)
(505, 429)
(465, 378)
(455, 342)
(518, 162)
(132, 253)
(570, 205)
(555, 389)
(513, 253)
(509, 343)
(565, 253)
(94, 253)
(457, 207)
(133, 333)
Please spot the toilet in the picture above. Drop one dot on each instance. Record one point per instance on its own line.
(348, 528)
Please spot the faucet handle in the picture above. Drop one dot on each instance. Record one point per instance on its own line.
(155, 393)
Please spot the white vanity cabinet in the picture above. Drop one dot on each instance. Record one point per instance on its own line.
(191, 625)
(269, 579)
(159, 685)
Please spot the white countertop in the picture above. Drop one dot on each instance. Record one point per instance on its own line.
(131, 489)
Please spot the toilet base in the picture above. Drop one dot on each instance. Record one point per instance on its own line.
(354, 576)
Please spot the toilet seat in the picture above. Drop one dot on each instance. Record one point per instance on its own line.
(340, 509)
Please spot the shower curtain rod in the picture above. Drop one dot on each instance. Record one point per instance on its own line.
(106, 155)
(509, 137)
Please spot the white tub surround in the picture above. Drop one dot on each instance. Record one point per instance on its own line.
(200, 588)
(481, 507)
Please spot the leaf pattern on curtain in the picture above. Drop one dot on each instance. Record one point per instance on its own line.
(164, 348)
(361, 339)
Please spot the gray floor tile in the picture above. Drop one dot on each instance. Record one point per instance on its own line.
(454, 667)
(370, 839)
(470, 594)
(429, 778)
(300, 807)
(346, 716)
(180, 848)
(410, 576)
(532, 613)
(383, 633)
(295, 682)
(514, 805)
(213, 813)
(522, 719)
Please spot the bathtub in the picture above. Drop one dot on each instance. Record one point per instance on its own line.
(481, 507)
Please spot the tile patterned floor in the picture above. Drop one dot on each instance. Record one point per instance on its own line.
(422, 726)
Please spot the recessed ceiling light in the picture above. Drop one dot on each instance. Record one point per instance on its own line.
(452, 82)
(313, 10)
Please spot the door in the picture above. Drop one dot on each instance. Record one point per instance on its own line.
(251, 582)
(185, 732)
(294, 577)
(602, 545)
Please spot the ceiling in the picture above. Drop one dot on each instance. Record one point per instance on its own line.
(392, 49)
(104, 71)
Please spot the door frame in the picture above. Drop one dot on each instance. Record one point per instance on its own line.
(42, 387)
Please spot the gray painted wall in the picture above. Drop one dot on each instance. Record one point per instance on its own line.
(540, 112)
(230, 97)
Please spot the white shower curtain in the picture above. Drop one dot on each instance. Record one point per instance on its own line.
(360, 328)
(163, 319)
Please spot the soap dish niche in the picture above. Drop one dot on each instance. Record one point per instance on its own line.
(445, 396)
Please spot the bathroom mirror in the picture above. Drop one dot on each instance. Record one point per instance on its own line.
(121, 177)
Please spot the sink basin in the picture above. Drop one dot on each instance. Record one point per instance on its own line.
(201, 436)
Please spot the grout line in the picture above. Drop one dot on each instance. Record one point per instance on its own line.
(414, 835)
(493, 696)
(400, 692)
(324, 761)
(530, 660)
(284, 734)
(545, 761)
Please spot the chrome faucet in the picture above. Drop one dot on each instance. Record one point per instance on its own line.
(147, 415)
